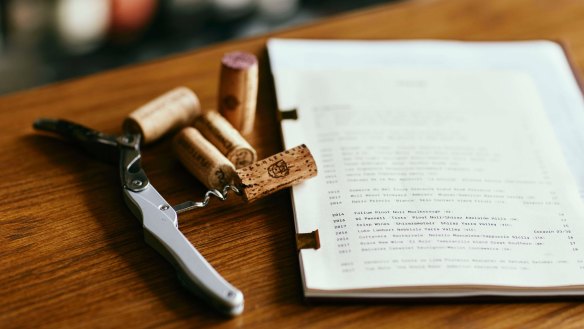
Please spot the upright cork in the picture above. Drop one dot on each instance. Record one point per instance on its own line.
(228, 140)
(238, 89)
(275, 173)
(174, 109)
(202, 159)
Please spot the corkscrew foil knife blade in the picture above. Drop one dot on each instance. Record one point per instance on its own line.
(158, 218)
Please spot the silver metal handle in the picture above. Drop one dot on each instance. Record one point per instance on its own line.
(161, 232)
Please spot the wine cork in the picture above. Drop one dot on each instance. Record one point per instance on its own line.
(228, 140)
(202, 159)
(275, 173)
(174, 109)
(238, 89)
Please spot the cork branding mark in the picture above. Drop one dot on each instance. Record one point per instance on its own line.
(230, 102)
(279, 169)
(221, 177)
(242, 158)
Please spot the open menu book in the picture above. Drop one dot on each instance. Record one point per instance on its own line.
(446, 169)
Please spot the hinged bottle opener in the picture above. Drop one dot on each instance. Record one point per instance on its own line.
(158, 218)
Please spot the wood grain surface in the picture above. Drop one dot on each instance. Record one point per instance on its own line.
(72, 255)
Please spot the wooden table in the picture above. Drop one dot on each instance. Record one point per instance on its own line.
(72, 255)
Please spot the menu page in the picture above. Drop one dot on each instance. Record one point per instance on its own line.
(545, 61)
(432, 178)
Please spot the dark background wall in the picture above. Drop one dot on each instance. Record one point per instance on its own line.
(43, 41)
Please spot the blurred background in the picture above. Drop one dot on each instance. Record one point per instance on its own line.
(43, 41)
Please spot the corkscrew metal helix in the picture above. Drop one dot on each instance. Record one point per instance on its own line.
(221, 195)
